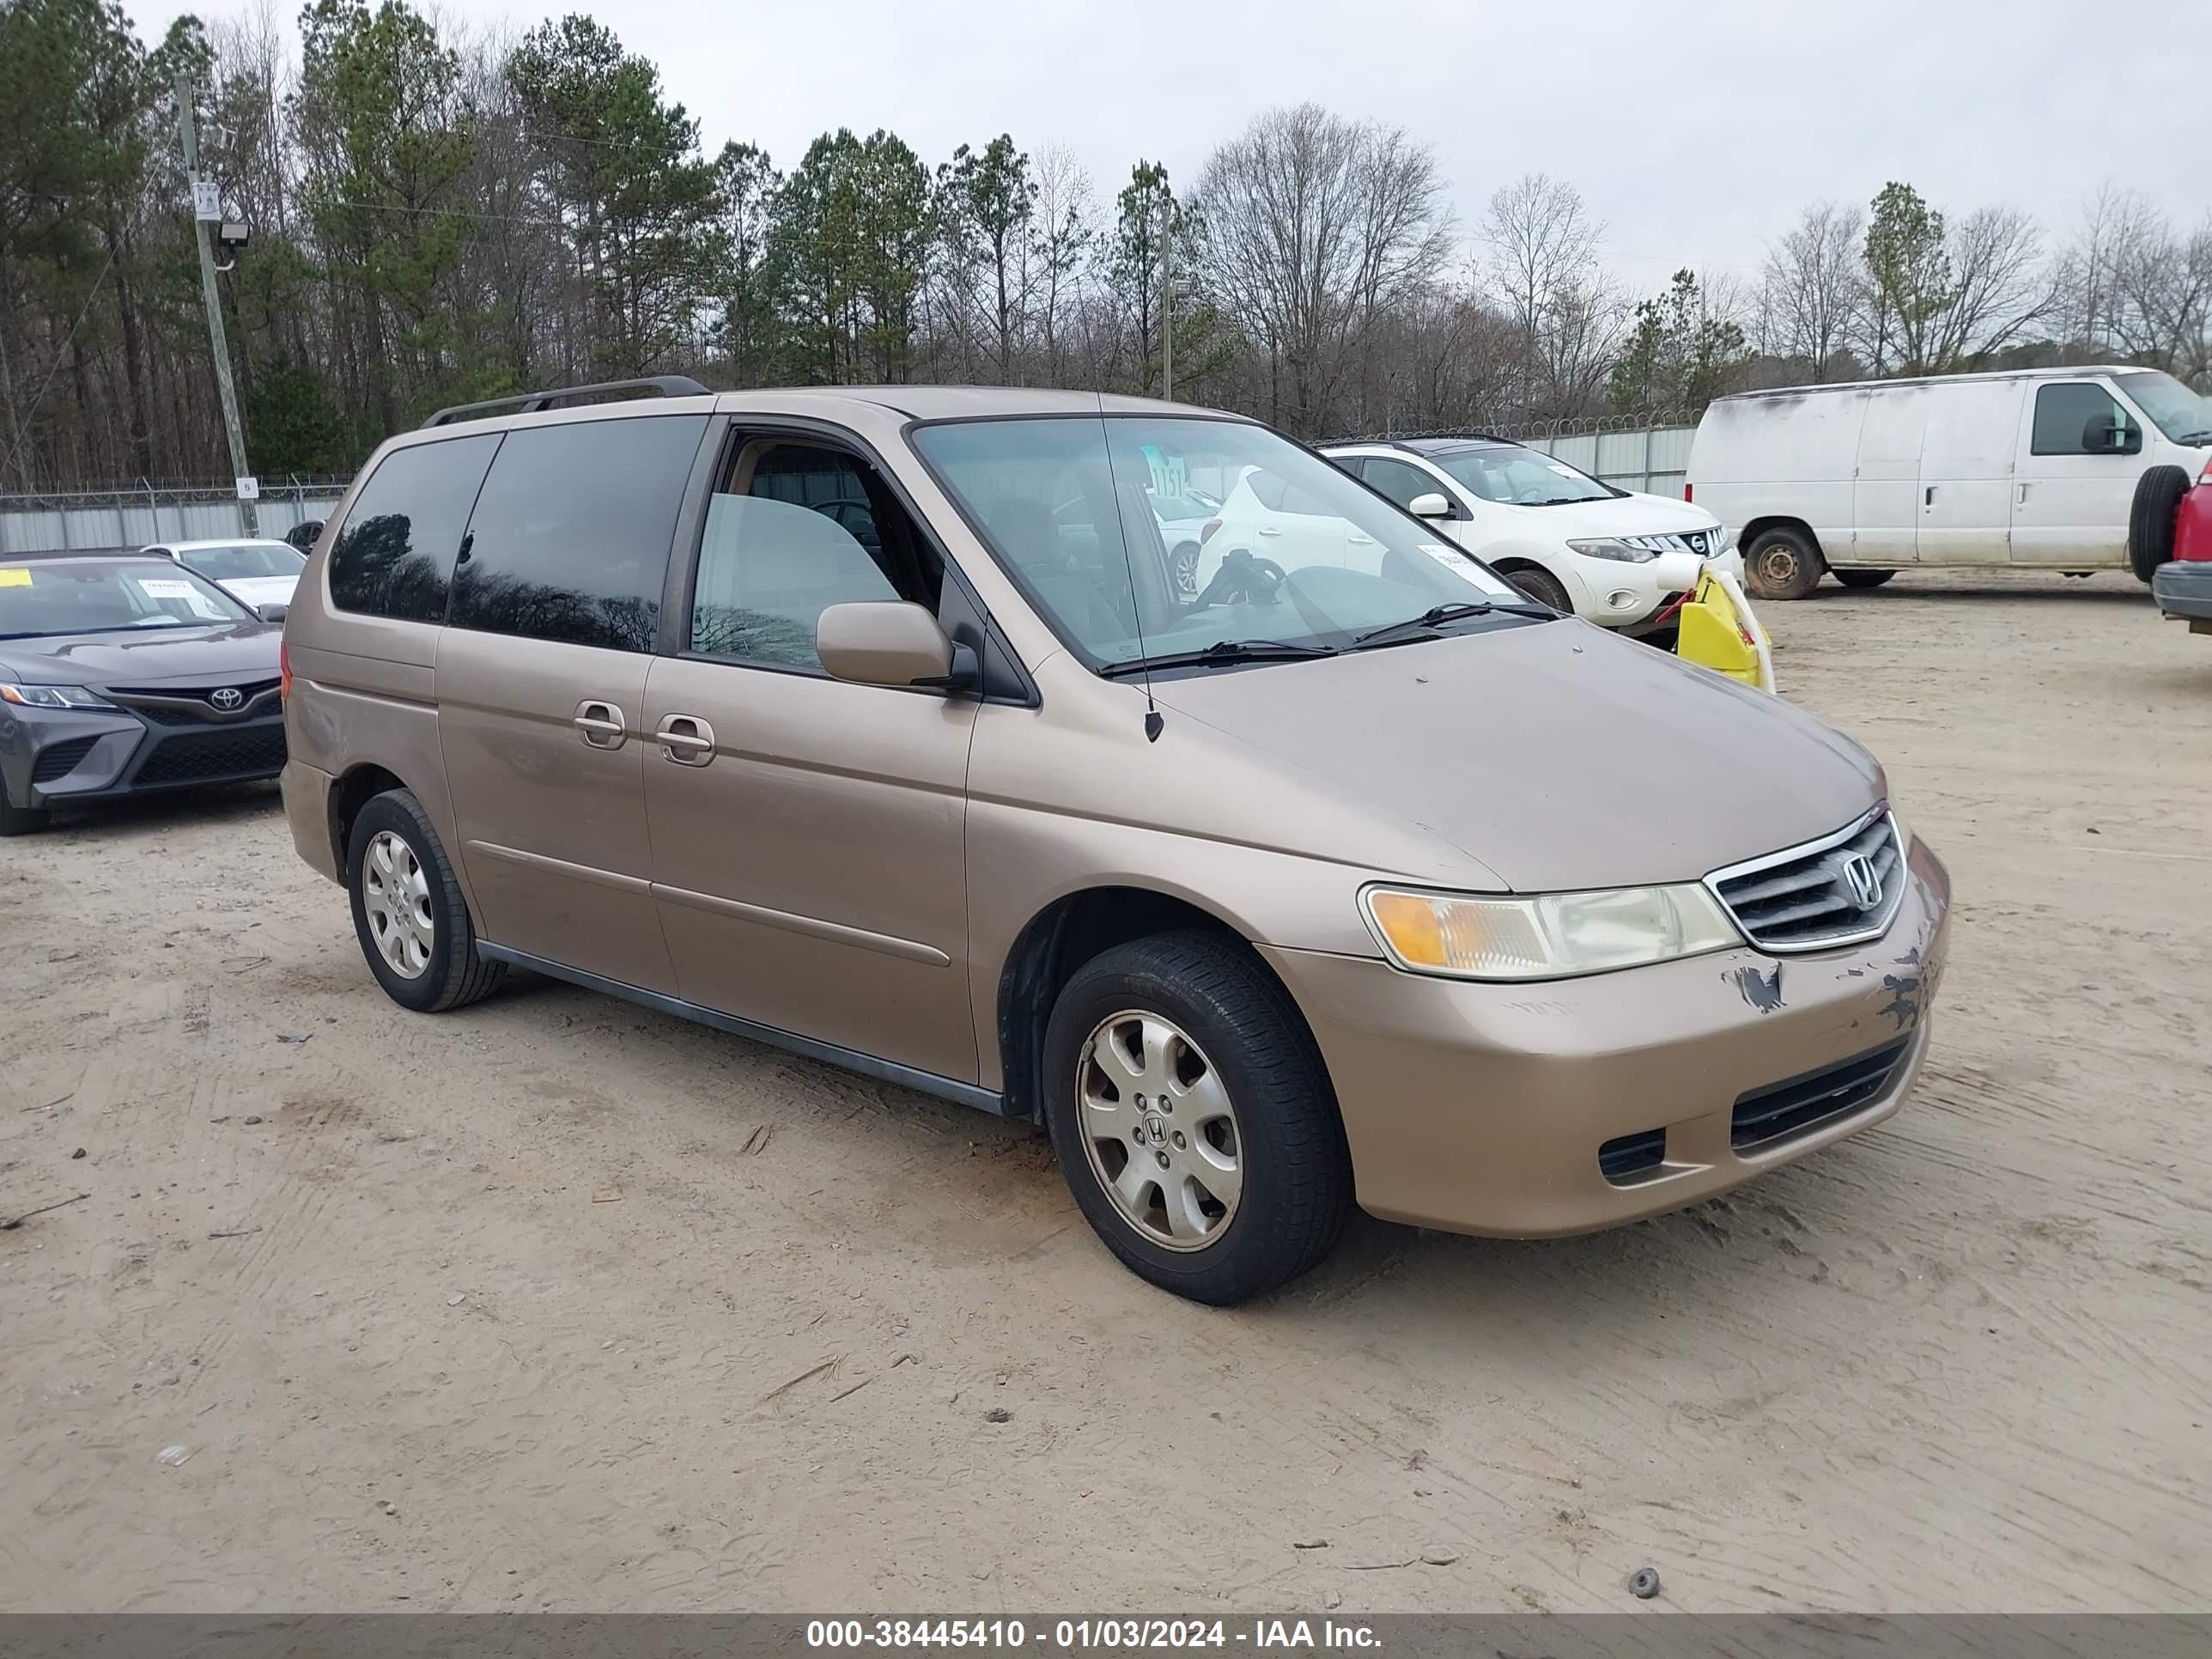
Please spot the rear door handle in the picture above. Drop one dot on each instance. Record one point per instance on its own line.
(601, 723)
(686, 740)
(1928, 496)
(2022, 499)
(1270, 530)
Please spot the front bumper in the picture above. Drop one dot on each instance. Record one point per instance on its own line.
(1482, 1109)
(2184, 591)
(55, 757)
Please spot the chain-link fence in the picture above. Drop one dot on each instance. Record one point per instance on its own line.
(1652, 459)
(139, 515)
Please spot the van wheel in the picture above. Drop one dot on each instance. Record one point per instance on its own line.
(1541, 586)
(1194, 1119)
(21, 820)
(1863, 578)
(1783, 564)
(2151, 518)
(409, 913)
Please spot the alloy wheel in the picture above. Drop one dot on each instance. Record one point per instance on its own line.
(1159, 1130)
(395, 894)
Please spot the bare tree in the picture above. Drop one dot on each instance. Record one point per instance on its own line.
(1999, 287)
(1811, 286)
(1314, 224)
(1544, 269)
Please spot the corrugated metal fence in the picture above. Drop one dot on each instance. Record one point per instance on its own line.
(1654, 458)
(139, 516)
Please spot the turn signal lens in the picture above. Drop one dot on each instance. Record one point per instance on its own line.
(1547, 935)
(283, 671)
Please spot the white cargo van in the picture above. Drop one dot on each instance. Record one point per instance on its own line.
(2065, 469)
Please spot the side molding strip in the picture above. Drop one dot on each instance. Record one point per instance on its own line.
(888, 945)
(852, 1060)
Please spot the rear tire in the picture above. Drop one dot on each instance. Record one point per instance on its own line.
(1783, 564)
(1215, 1029)
(21, 820)
(408, 912)
(1863, 578)
(2151, 518)
(1541, 586)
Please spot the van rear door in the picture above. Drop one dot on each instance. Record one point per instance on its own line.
(1886, 493)
(1967, 471)
(2070, 501)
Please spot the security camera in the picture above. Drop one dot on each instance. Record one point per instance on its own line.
(230, 235)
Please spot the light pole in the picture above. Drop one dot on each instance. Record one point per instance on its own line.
(207, 208)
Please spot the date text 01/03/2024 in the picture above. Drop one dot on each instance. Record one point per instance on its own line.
(1111, 1634)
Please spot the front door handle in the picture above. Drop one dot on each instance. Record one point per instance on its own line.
(686, 740)
(1270, 530)
(1928, 496)
(601, 723)
(2022, 499)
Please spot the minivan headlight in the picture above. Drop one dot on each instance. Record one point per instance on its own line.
(53, 697)
(1607, 547)
(1545, 935)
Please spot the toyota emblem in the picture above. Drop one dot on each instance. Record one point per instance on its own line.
(228, 698)
(1862, 880)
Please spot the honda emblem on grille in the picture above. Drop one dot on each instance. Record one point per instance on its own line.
(230, 696)
(1862, 880)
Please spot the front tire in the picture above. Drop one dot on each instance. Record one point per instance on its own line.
(21, 820)
(1233, 1176)
(1783, 564)
(1541, 586)
(1863, 578)
(408, 911)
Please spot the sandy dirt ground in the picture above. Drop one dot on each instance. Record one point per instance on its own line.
(558, 1303)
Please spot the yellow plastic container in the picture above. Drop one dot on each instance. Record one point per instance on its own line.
(1718, 630)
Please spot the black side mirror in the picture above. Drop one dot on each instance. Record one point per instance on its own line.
(2108, 434)
(271, 613)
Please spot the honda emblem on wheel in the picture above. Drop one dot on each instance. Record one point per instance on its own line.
(1863, 880)
(228, 698)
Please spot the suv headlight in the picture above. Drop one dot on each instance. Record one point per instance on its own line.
(1545, 935)
(1608, 548)
(53, 697)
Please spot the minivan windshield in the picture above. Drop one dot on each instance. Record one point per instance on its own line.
(1297, 560)
(2181, 414)
(243, 561)
(57, 596)
(1518, 476)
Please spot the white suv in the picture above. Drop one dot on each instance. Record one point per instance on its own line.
(1559, 535)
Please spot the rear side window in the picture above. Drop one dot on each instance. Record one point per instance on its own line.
(395, 556)
(569, 540)
(2062, 414)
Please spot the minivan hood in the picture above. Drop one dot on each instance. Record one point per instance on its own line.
(1556, 754)
(1620, 515)
(243, 650)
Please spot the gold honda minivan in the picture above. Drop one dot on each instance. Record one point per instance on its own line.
(880, 724)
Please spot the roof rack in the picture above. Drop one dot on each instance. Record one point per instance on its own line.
(529, 403)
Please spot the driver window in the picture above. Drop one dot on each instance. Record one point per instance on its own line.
(2064, 412)
(1402, 482)
(795, 529)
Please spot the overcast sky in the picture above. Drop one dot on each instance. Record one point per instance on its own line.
(1695, 129)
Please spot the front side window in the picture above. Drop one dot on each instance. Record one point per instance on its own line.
(1299, 559)
(1402, 482)
(243, 562)
(2064, 414)
(106, 596)
(394, 556)
(1521, 477)
(795, 529)
(569, 540)
(2181, 414)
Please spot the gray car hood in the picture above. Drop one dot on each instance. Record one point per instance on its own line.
(239, 650)
(1555, 754)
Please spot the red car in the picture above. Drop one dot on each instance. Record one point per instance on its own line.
(2183, 585)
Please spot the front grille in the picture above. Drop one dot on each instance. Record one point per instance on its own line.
(1834, 891)
(205, 757)
(1625, 1156)
(58, 759)
(1782, 1110)
(190, 705)
(1699, 541)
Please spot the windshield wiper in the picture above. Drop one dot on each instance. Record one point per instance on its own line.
(1221, 651)
(1437, 615)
